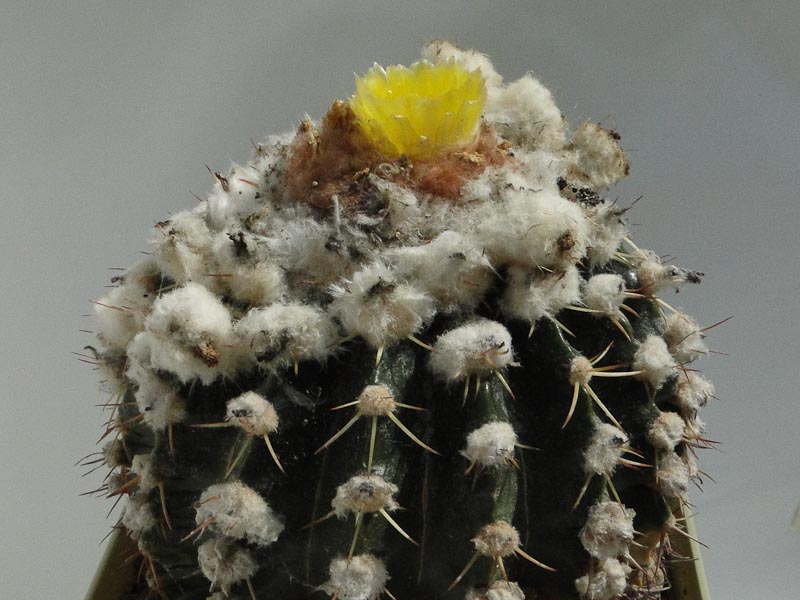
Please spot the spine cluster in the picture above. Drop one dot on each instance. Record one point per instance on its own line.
(441, 374)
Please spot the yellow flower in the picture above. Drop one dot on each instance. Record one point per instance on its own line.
(419, 111)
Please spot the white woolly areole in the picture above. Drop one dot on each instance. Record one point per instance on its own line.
(192, 315)
(121, 313)
(475, 349)
(667, 431)
(497, 539)
(309, 251)
(253, 413)
(608, 531)
(362, 577)
(692, 392)
(235, 196)
(607, 228)
(654, 276)
(142, 465)
(684, 338)
(525, 113)
(599, 162)
(531, 294)
(139, 515)
(283, 334)
(499, 590)
(256, 285)
(608, 581)
(605, 293)
(363, 494)
(224, 563)
(452, 268)
(653, 358)
(152, 352)
(491, 445)
(380, 307)
(672, 477)
(188, 333)
(580, 370)
(237, 511)
(159, 402)
(182, 246)
(533, 229)
(376, 401)
(605, 449)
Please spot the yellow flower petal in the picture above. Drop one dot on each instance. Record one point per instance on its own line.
(419, 111)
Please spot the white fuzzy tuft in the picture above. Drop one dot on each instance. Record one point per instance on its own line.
(234, 196)
(525, 114)
(599, 162)
(225, 564)
(311, 253)
(654, 360)
(608, 531)
(607, 582)
(376, 401)
(692, 392)
(139, 515)
(476, 349)
(605, 293)
(672, 476)
(605, 449)
(160, 403)
(667, 431)
(253, 413)
(497, 539)
(362, 577)
(533, 229)
(533, 294)
(237, 511)
(580, 371)
(491, 445)
(121, 313)
(684, 338)
(182, 246)
(607, 228)
(148, 352)
(187, 333)
(190, 314)
(142, 466)
(256, 285)
(281, 335)
(499, 590)
(654, 275)
(381, 307)
(363, 494)
(452, 268)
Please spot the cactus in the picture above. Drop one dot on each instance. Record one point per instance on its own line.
(407, 351)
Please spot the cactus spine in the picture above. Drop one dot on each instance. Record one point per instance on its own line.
(408, 350)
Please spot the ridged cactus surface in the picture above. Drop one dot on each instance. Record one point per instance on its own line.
(406, 351)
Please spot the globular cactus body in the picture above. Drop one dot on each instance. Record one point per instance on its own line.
(512, 416)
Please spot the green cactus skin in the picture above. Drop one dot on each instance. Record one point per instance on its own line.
(445, 500)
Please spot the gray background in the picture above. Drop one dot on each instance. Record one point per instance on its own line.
(109, 112)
